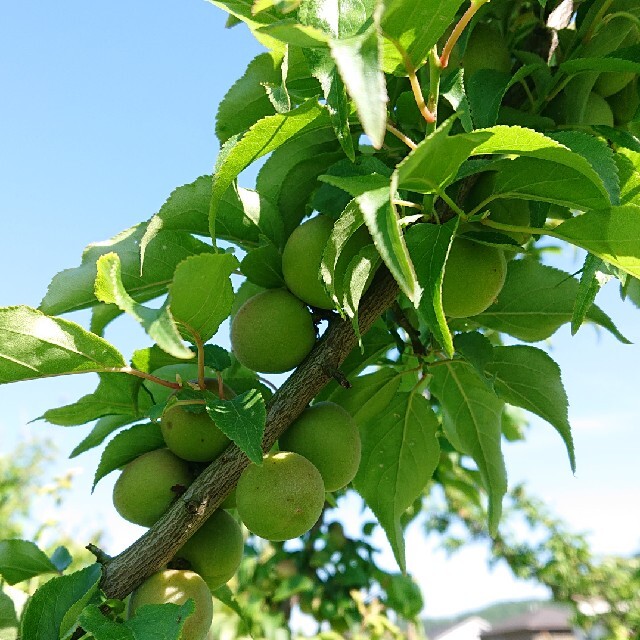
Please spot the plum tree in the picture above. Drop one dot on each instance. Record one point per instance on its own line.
(326, 434)
(302, 256)
(215, 550)
(282, 498)
(625, 103)
(194, 436)
(145, 488)
(473, 277)
(272, 332)
(176, 587)
(597, 111)
(486, 49)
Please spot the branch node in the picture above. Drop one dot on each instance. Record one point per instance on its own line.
(195, 507)
(100, 555)
(337, 375)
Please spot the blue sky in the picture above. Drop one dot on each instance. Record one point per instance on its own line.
(105, 109)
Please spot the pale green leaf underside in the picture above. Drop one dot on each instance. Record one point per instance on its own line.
(472, 415)
(158, 323)
(400, 452)
(33, 345)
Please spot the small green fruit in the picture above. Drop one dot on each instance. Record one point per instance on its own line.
(176, 587)
(473, 277)
(486, 49)
(328, 436)
(597, 111)
(194, 436)
(144, 490)
(282, 498)
(215, 550)
(302, 256)
(272, 332)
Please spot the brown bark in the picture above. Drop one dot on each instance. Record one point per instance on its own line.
(156, 547)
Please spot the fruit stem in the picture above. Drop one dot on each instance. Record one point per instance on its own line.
(413, 80)
(220, 386)
(147, 376)
(398, 134)
(458, 29)
(435, 71)
(267, 382)
(512, 227)
(407, 203)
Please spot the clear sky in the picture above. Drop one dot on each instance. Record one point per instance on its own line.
(105, 109)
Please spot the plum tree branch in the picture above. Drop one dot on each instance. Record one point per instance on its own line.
(156, 547)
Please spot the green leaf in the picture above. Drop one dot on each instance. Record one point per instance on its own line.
(428, 246)
(54, 608)
(73, 289)
(264, 267)
(453, 91)
(359, 61)
(200, 295)
(116, 394)
(101, 430)
(247, 101)
(590, 283)
(535, 301)
(610, 234)
(434, 163)
(34, 345)
(289, 176)
(357, 278)
(527, 377)
(382, 221)
(264, 137)
(127, 446)
(598, 154)
(291, 586)
(472, 423)
(150, 622)
(628, 163)
(158, 323)
(625, 60)
(21, 560)
(474, 347)
(400, 452)
(417, 26)
(61, 558)
(242, 419)
(216, 357)
(290, 31)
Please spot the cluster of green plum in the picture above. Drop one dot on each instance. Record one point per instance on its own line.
(278, 500)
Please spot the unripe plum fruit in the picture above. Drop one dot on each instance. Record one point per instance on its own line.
(473, 277)
(328, 436)
(194, 436)
(272, 332)
(486, 49)
(215, 549)
(302, 256)
(282, 498)
(176, 587)
(143, 492)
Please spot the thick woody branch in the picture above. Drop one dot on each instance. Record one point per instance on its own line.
(157, 546)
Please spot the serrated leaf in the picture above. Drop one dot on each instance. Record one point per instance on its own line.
(472, 423)
(101, 430)
(290, 31)
(265, 136)
(21, 560)
(452, 90)
(475, 347)
(625, 60)
(357, 277)
(158, 323)
(61, 558)
(216, 357)
(527, 377)
(242, 419)
(34, 345)
(200, 294)
(263, 266)
(428, 246)
(73, 289)
(116, 394)
(55, 606)
(535, 301)
(589, 286)
(359, 61)
(246, 101)
(628, 163)
(611, 234)
(598, 154)
(127, 446)
(417, 26)
(400, 452)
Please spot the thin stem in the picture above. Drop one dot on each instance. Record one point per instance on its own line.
(413, 80)
(513, 227)
(220, 386)
(435, 70)
(407, 203)
(453, 205)
(268, 383)
(458, 29)
(398, 134)
(147, 376)
(597, 20)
